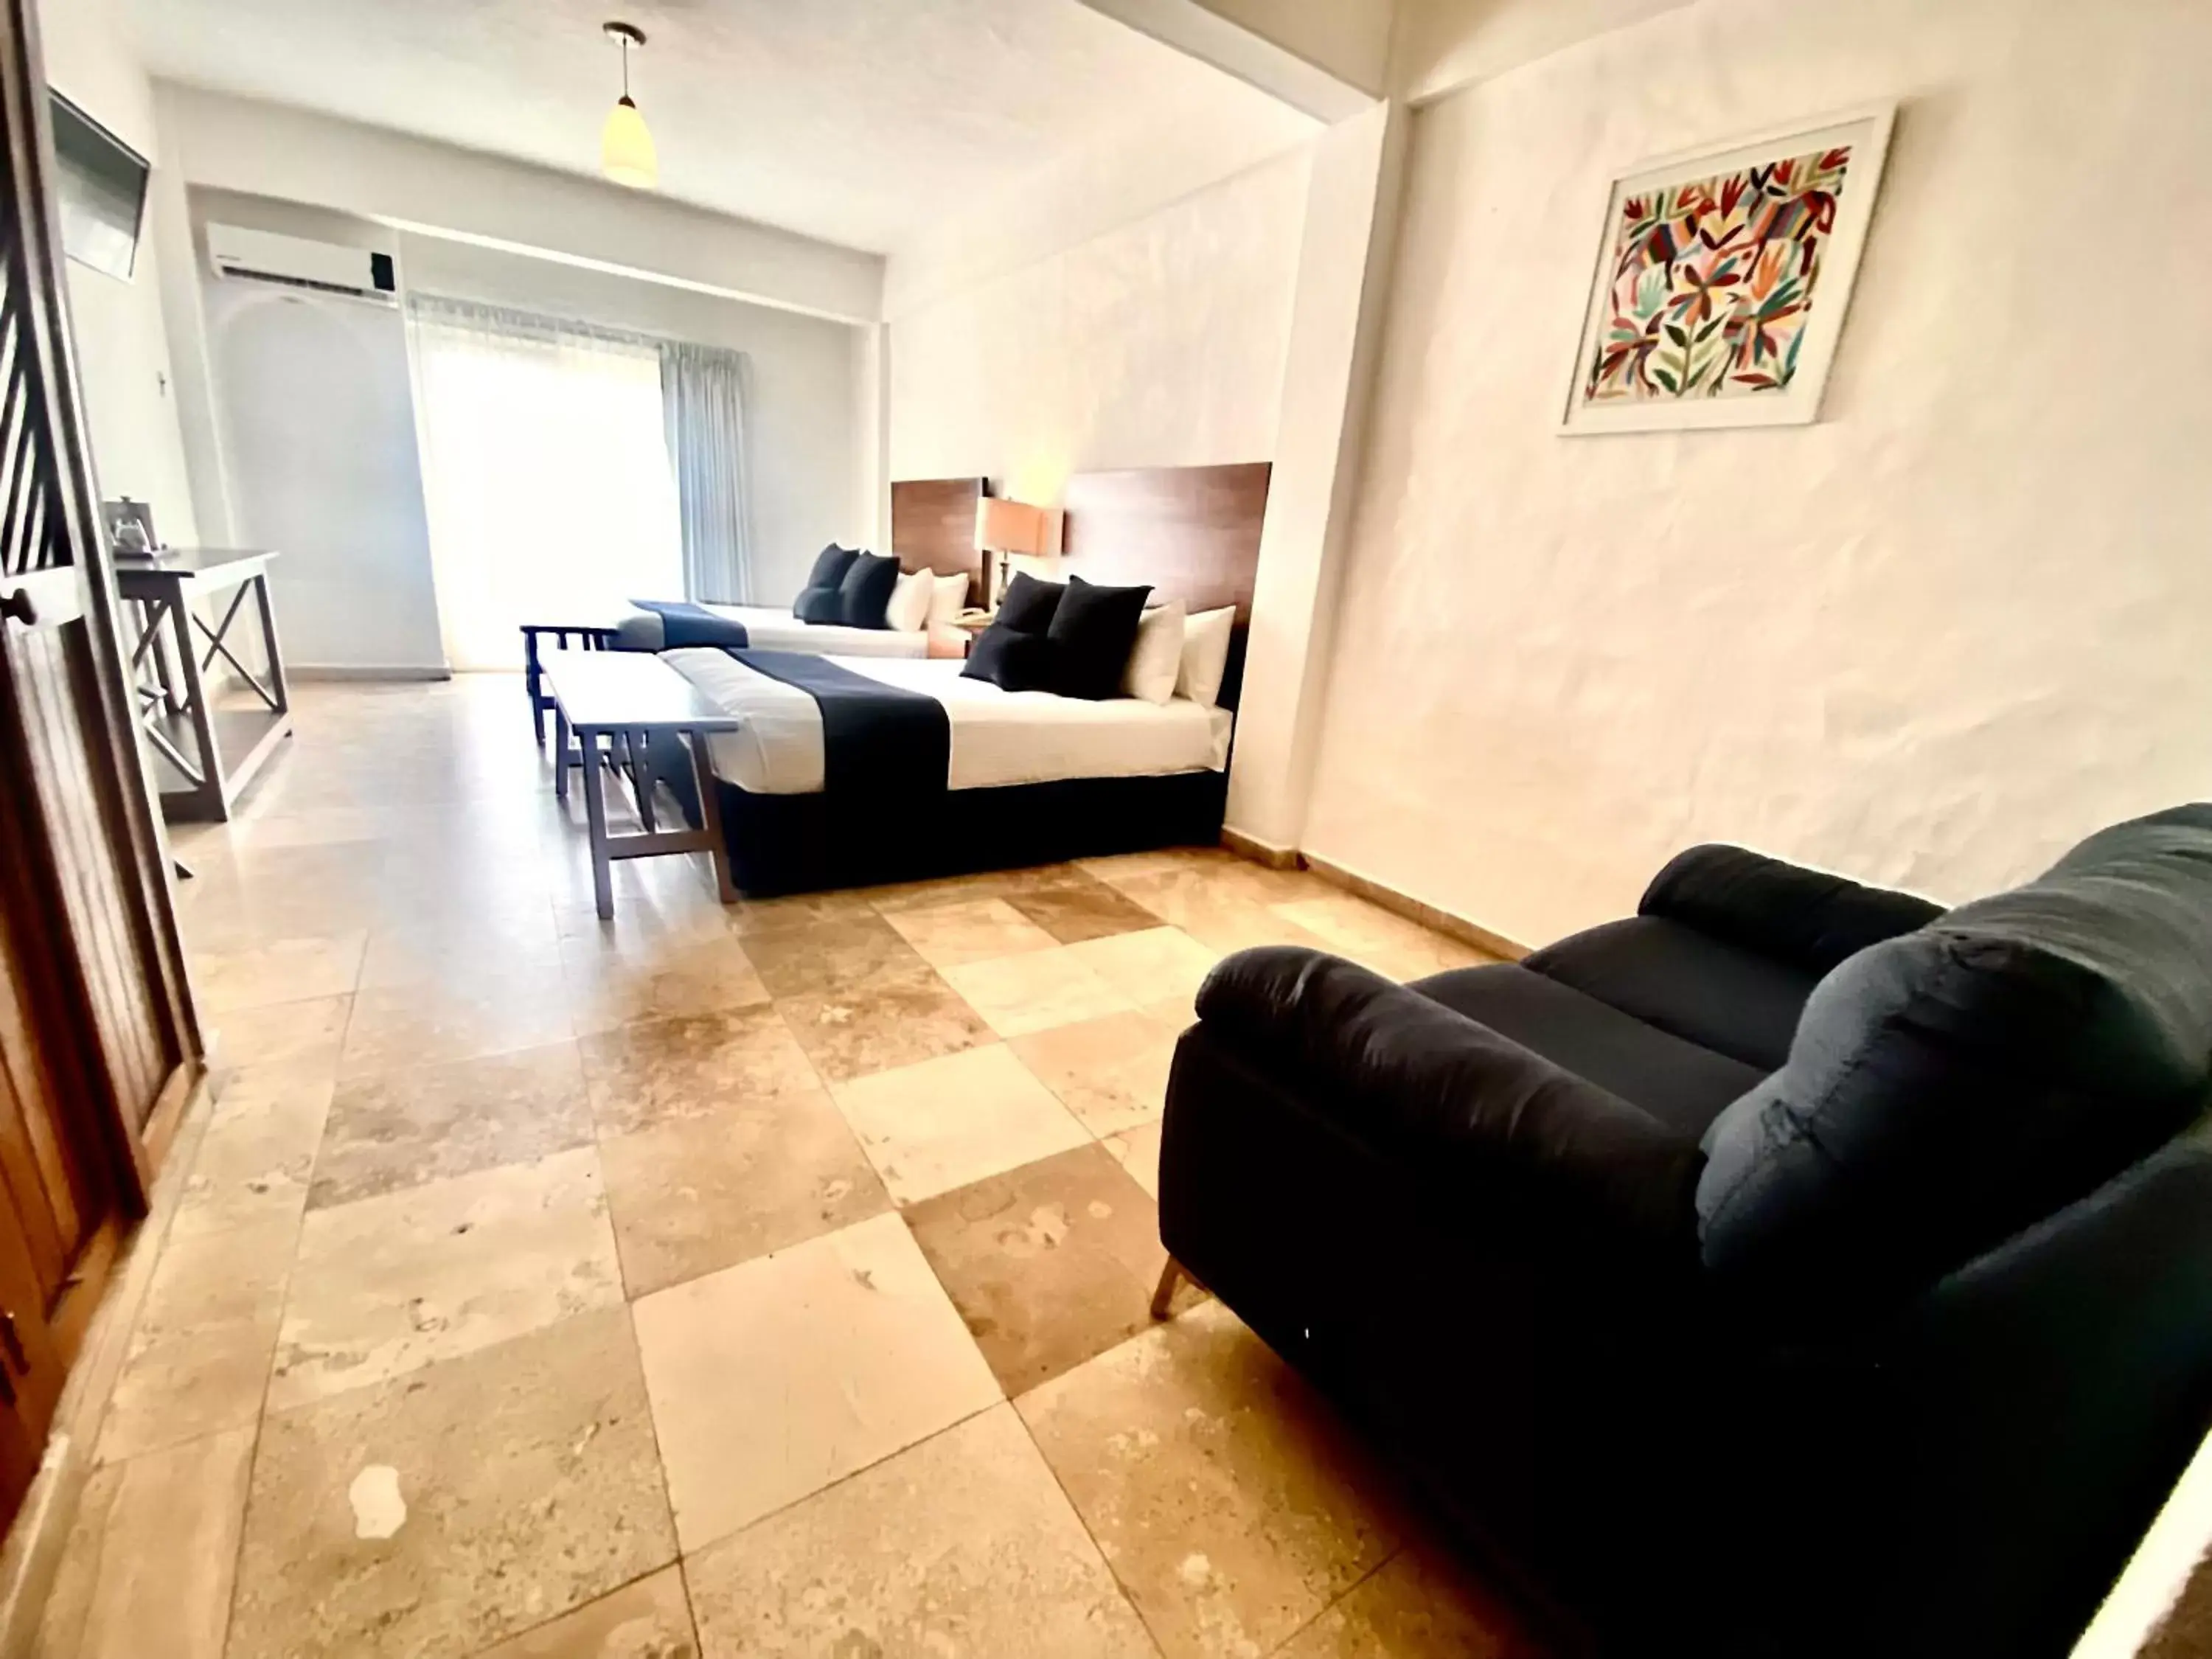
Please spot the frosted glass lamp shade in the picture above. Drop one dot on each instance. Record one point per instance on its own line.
(626, 151)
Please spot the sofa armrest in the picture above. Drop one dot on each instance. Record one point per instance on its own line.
(1806, 917)
(1419, 1082)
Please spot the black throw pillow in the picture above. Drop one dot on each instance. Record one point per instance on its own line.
(1027, 604)
(1011, 659)
(830, 565)
(1092, 632)
(868, 589)
(820, 600)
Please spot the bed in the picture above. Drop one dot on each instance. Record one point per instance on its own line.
(933, 529)
(766, 628)
(846, 771)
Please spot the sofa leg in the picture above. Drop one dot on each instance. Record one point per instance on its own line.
(1170, 1276)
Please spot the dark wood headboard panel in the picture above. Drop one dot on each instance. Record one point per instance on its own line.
(1191, 532)
(934, 527)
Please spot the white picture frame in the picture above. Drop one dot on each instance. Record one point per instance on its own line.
(1866, 131)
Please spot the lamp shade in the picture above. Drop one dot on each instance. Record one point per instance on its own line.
(1003, 526)
(626, 151)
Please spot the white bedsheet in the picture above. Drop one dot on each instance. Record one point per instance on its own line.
(997, 737)
(779, 631)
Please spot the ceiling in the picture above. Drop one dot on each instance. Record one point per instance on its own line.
(857, 121)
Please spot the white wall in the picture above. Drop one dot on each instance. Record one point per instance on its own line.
(317, 423)
(320, 435)
(1438, 45)
(1159, 343)
(269, 150)
(121, 343)
(803, 419)
(1931, 639)
(1336, 326)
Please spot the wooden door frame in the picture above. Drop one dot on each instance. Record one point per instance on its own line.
(126, 804)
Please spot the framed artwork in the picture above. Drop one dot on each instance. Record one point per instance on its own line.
(1722, 279)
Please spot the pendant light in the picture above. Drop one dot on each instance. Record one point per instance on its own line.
(626, 152)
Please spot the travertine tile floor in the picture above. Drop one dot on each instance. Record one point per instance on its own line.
(768, 1280)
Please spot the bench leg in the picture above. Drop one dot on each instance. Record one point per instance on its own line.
(559, 755)
(533, 680)
(641, 777)
(595, 816)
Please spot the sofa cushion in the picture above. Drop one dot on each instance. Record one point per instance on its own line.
(1807, 917)
(1678, 1082)
(1697, 987)
(1408, 1077)
(1951, 1086)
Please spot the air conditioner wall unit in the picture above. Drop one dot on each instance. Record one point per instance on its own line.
(262, 256)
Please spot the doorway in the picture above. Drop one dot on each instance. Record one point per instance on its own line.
(97, 1044)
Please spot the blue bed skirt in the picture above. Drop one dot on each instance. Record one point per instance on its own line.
(803, 844)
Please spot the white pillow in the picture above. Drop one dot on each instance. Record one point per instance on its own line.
(1156, 660)
(948, 598)
(910, 603)
(1205, 655)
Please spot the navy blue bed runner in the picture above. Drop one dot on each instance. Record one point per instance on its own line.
(879, 742)
(684, 623)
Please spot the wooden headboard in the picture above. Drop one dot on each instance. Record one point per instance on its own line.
(1190, 532)
(934, 527)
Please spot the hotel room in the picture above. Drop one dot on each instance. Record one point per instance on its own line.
(1155, 828)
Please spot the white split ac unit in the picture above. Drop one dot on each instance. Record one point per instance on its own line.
(261, 256)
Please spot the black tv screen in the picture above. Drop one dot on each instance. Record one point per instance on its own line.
(103, 192)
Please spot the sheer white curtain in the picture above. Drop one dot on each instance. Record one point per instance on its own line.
(547, 475)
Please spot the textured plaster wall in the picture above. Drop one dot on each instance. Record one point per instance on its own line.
(1930, 640)
(1157, 343)
(121, 338)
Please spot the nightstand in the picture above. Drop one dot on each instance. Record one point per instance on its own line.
(964, 628)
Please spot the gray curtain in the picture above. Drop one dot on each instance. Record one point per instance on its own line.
(702, 406)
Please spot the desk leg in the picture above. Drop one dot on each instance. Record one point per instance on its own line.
(560, 754)
(211, 791)
(270, 646)
(595, 816)
(710, 817)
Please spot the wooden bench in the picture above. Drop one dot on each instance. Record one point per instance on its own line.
(615, 703)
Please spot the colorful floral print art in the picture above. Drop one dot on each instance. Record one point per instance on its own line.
(1712, 282)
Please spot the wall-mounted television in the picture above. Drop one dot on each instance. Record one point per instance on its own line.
(103, 192)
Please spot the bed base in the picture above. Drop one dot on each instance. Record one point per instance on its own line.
(782, 844)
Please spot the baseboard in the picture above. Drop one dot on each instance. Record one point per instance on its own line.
(1414, 910)
(33, 1554)
(1260, 851)
(340, 670)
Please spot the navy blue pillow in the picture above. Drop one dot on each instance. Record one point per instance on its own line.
(830, 565)
(1093, 629)
(1011, 659)
(820, 599)
(866, 589)
(1028, 605)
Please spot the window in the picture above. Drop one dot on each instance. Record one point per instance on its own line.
(549, 491)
